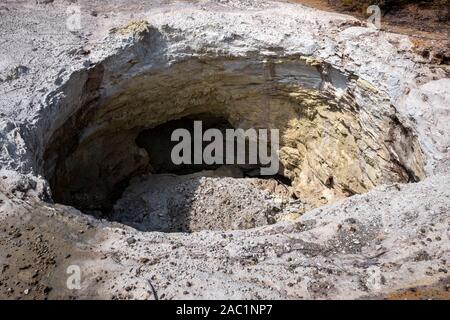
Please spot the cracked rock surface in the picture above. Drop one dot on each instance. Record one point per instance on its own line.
(362, 116)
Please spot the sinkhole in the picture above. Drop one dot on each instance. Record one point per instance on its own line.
(111, 157)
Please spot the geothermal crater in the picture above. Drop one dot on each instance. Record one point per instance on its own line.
(338, 138)
(359, 207)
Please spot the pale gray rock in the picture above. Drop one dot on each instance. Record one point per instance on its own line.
(393, 238)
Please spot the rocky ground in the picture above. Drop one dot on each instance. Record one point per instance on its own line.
(389, 243)
(427, 26)
(241, 237)
(170, 203)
